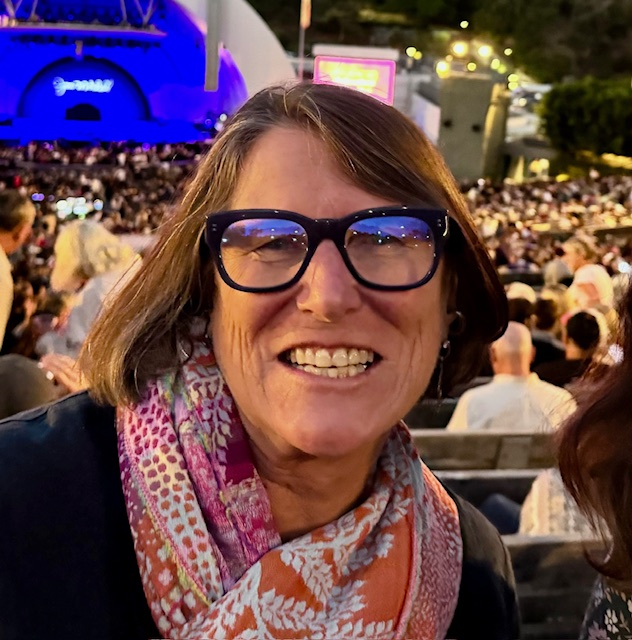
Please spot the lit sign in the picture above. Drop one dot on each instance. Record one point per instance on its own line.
(90, 86)
(375, 77)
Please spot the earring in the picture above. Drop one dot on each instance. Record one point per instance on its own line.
(444, 352)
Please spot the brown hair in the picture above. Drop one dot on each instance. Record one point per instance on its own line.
(376, 147)
(594, 451)
(15, 209)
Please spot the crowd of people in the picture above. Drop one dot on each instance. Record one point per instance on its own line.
(112, 242)
(104, 154)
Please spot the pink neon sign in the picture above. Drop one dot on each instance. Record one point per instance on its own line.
(375, 77)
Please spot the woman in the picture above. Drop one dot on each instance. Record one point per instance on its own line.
(309, 289)
(594, 460)
(89, 262)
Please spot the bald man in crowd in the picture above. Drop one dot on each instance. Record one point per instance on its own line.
(17, 215)
(515, 399)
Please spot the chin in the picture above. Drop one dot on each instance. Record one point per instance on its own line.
(333, 438)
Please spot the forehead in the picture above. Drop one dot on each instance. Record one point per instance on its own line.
(291, 169)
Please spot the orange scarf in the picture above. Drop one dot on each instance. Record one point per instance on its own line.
(212, 563)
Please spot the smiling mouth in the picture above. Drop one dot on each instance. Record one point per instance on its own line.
(341, 362)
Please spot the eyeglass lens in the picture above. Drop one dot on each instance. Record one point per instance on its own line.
(386, 251)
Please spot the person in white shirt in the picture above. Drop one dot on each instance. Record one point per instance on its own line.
(17, 214)
(515, 399)
(591, 284)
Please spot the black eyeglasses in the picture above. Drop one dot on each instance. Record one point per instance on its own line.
(387, 248)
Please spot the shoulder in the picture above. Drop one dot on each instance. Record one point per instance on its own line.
(481, 540)
(608, 612)
(477, 393)
(589, 273)
(487, 606)
(52, 438)
(65, 414)
(550, 390)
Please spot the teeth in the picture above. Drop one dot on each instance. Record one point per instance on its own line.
(334, 372)
(336, 363)
(340, 358)
(323, 359)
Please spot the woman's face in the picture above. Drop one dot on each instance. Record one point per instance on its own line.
(292, 409)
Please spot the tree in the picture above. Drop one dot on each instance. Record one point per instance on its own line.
(356, 21)
(557, 39)
(590, 115)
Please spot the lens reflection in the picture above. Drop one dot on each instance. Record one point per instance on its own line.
(391, 251)
(263, 252)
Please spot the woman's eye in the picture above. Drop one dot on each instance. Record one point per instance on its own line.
(279, 244)
(376, 240)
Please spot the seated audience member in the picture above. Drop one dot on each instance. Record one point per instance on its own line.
(556, 270)
(546, 319)
(17, 215)
(23, 307)
(559, 294)
(582, 336)
(90, 261)
(591, 284)
(521, 311)
(515, 399)
(548, 510)
(50, 315)
(521, 291)
(23, 385)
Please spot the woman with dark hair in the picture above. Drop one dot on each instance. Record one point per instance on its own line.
(594, 460)
(246, 473)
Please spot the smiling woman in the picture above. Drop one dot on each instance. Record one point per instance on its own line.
(321, 274)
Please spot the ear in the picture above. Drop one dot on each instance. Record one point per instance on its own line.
(532, 354)
(16, 233)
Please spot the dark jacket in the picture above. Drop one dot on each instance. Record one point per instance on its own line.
(67, 563)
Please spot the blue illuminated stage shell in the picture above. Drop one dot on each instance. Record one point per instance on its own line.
(85, 70)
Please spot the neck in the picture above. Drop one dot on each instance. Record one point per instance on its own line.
(573, 352)
(307, 492)
(5, 243)
(510, 369)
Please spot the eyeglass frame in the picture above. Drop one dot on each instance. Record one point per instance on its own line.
(319, 229)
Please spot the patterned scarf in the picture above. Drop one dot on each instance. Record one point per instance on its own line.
(212, 562)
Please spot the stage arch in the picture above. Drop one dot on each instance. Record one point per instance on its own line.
(62, 86)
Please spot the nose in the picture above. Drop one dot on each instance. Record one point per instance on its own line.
(327, 289)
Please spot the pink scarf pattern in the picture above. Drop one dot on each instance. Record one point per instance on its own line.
(212, 562)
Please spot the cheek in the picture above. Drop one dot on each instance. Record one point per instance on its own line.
(424, 328)
(237, 322)
(230, 329)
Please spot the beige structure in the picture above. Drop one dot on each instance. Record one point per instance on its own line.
(258, 53)
(472, 124)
